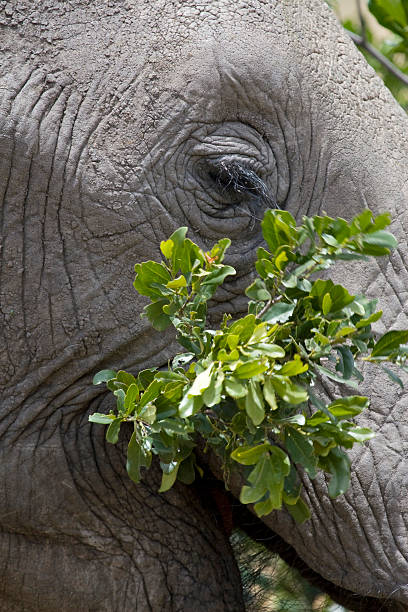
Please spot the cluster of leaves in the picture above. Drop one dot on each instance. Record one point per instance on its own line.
(248, 387)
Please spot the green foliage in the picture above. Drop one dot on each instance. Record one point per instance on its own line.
(247, 388)
(392, 15)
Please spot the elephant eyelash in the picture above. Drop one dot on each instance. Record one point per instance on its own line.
(231, 176)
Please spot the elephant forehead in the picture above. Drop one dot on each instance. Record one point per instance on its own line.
(87, 40)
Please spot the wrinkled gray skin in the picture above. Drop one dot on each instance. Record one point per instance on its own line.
(110, 116)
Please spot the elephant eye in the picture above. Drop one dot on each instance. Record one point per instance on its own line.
(232, 177)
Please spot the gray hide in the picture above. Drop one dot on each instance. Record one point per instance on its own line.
(111, 113)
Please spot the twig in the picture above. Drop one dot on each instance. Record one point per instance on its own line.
(362, 21)
(361, 42)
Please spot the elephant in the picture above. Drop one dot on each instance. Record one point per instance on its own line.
(114, 119)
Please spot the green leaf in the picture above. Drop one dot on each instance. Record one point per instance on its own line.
(202, 381)
(186, 472)
(291, 487)
(120, 400)
(270, 350)
(278, 228)
(278, 313)
(361, 434)
(103, 376)
(347, 361)
(337, 463)
(169, 376)
(152, 391)
(390, 14)
(250, 495)
(217, 277)
(180, 249)
(166, 247)
(181, 359)
(136, 458)
(265, 507)
(189, 405)
(102, 419)
(300, 512)
(249, 455)
(243, 328)
(317, 418)
(234, 388)
(301, 450)
(258, 480)
(252, 368)
(112, 433)
(133, 459)
(254, 405)
(149, 276)
(168, 479)
(269, 394)
(372, 319)
(132, 395)
(339, 296)
(333, 376)
(393, 376)
(145, 377)
(178, 282)
(175, 426)
(296, 419)
(212, 395)
(258, 291)
(219, 248)
(148, 414)
(280, 259)
(294, 367)
(259, 334)
(380, 238)
(232, 341)
(326, 303)
(126, 378)
(389, 342)
(346, 407)
(224, 356)
(288, 391)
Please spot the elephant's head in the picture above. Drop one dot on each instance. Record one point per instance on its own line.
(119, 122)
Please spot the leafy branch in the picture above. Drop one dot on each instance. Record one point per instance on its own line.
(247, 388)
(393, 15)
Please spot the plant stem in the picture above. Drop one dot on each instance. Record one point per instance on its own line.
(361, 42)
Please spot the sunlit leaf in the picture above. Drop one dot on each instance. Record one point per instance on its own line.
(168, 479)
(278, 313)
(252, 368)
(103, 376)
(102, 419)
(254, 404)
(249, 455)
(389, 342)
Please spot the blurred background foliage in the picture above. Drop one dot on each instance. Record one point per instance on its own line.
(379, 28)
(270, 585)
